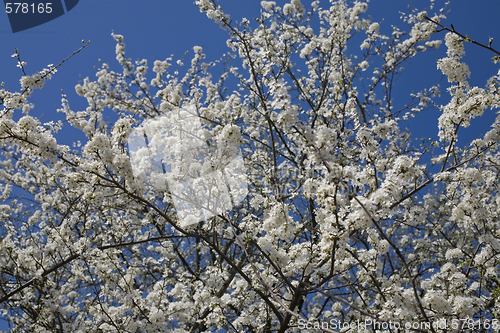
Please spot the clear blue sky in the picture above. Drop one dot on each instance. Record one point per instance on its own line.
(155, 29)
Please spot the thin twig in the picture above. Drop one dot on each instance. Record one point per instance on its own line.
(465, 38)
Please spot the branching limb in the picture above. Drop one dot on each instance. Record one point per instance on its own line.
(465, 38)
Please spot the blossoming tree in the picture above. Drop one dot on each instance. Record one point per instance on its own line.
(341, 220)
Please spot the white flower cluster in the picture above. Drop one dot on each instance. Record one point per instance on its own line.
(451, 66)
(268, 5)
(466, 103)
(213, 12)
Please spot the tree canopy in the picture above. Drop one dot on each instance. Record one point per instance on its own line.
(284, 195)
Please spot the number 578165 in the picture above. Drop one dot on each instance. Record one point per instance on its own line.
(25, 8)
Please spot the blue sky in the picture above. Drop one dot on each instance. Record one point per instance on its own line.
(156, 29)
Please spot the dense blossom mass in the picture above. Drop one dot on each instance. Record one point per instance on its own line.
(341, 219)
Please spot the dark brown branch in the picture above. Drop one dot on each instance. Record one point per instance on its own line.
(465, 38)
(403, 260)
